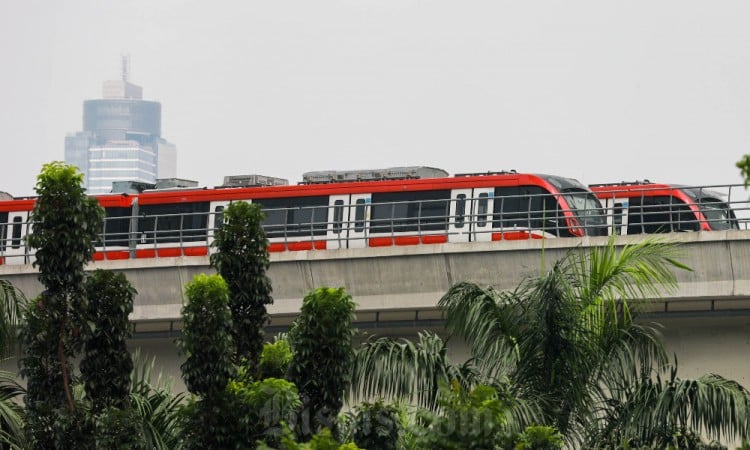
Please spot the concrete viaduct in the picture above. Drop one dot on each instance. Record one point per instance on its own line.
(706, 321)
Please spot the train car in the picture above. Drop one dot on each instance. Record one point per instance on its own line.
(354, 209)
(646, 207)
(375, 213)
(15, 226)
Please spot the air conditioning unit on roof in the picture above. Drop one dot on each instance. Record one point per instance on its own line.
(253, 180)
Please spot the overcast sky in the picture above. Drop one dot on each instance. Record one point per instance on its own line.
(600, 91)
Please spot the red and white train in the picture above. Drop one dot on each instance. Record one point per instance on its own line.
(646, 207)
(336, 210)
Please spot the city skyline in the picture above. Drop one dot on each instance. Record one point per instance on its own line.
(598, 91)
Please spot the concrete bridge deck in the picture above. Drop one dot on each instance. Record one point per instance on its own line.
(392, 284)
(706, 322)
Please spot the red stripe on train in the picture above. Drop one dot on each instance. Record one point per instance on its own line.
(407, 240)
(297, 246)
(171, 252)
(514, 236)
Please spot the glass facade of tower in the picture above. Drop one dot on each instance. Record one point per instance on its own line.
(120, 161)
(121, 141)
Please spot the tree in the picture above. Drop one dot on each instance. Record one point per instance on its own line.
(376, 425)
(744, 166)
(242, 260)
(566, 347)
(12, 303)
(321, 340)
(106, 365)
(569, 338)
(159, 411)
(207, 345)
(403, 370)
(65, 226)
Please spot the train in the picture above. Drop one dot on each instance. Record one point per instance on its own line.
(333, 210)
(647, 207)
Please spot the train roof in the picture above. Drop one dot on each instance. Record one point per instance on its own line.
(490, 179)
(644, 186)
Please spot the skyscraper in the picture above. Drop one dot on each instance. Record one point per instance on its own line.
(121, 139)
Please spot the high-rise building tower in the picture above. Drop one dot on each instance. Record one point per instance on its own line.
(121, 139)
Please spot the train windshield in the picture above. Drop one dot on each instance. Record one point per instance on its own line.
(718, 214)
(588, 210)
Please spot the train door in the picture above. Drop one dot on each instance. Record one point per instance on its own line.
(16, 231)
(348, 218)
(617, 215)
(215, 219)
(470, 215)
(459, 228)
(482, 206)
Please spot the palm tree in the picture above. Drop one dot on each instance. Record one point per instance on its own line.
(12, 301)
(399, 368)
(569, 340)
(159, 411)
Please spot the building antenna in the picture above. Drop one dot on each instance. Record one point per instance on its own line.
(125, 67)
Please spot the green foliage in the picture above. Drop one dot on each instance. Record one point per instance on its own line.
(467, 420)
(744, 166)
(119, 429)
(207, 345)
(322, 440)
(242, 259)
(260, 409)
(569, 342)
(563, 349)
(11, 412)
(539, 438)
(321, 339)
(106, 365)
(66, 223)
(206, 338)
(157, 409)
(41, 366)
(12, 302)
(65, 226)
(402, 369)
(275, 359)
(376, 425)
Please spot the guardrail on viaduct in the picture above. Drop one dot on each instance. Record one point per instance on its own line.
(401, 285)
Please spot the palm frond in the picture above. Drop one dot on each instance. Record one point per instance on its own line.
(158, 408)
(488, 321)
(398, 369)
(644, 270)
(12, 302)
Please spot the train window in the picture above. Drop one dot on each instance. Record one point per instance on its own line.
(660, 214)
(176, 222)
(460, 210)
(218, 217)
(338, 215)
(17, 229)
(718, 214)
(297, 216)
(526, 207)
(116, 228)
(409, 211)
(359, 215)
(482, 209)
(588, 211)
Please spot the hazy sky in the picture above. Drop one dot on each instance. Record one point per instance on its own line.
(600, 91)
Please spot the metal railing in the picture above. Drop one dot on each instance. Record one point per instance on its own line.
(529, 216)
